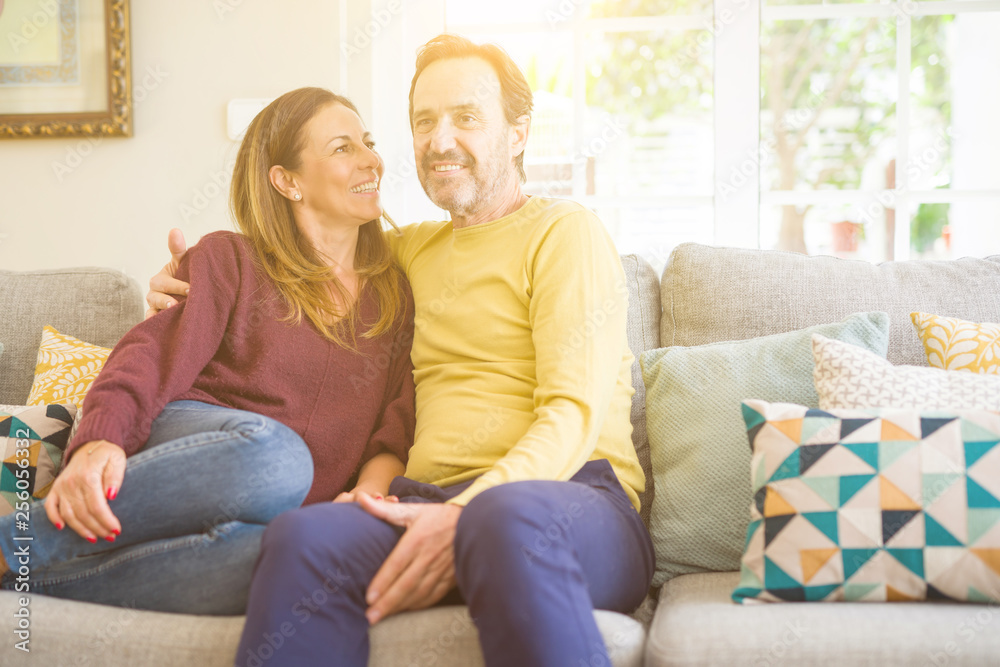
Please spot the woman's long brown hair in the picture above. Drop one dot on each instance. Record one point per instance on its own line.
(264, 216)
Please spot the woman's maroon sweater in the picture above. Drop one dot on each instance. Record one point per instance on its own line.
(225, 344)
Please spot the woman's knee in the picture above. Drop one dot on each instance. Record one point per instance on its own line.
(282, 459)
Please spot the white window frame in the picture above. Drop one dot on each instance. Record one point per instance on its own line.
(902, 197)
(384, 74)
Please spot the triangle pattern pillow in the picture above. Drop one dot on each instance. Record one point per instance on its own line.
(34, 439)
(878, 505)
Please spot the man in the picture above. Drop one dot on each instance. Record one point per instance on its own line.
(522, 485)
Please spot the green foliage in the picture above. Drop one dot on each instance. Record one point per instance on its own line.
(829, 89)
(555, 78)
(927, 225)
(649, 74)
(616, 8)
(931, 64)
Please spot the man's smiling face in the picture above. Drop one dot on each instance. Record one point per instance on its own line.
(461, 139)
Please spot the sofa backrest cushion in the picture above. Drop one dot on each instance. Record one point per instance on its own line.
(719, 294)
(643, 334)
(93, 304)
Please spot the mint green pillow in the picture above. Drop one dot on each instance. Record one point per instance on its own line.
(697, 438)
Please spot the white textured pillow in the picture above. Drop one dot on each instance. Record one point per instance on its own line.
(851, 377)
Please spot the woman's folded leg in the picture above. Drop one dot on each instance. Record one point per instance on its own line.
(206, 573)
(203, 466)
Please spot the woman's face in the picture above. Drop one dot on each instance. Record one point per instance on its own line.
(339, 172)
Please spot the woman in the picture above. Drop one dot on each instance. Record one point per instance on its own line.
(208, 420)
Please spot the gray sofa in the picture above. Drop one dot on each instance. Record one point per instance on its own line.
(705, 295)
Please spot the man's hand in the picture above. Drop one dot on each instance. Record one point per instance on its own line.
(421, 569)
(79, 496)
(163, 284)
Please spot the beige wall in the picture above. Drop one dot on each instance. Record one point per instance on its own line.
(67, 202)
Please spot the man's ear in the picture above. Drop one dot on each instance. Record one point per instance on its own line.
(519, 135)
(284, 182)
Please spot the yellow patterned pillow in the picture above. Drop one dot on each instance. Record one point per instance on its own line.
(65, 369)
(957, 345)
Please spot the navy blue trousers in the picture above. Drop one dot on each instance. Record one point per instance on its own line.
(532, 561)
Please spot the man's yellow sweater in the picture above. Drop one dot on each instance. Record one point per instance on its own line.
(521, 360)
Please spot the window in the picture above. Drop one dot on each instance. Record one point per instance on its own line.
(872, 130)
(623, 119)
(862, 129)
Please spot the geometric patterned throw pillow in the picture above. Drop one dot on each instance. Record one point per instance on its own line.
(65, 369)
(877, 505)
(957, 345)
(33, 440)
(848, 376)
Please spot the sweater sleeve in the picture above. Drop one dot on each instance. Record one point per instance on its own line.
(160, 358)
(393, 431)
(577, 313)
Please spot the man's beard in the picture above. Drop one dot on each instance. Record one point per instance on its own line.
(471, 192)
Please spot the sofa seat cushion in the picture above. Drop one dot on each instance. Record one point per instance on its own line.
(65, 632)
(446, 637)
(697, 623)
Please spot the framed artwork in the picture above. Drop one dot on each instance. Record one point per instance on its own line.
(65, 68)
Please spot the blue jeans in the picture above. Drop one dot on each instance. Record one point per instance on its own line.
(532, 561)
(193, 506)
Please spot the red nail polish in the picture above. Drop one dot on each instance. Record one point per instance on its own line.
(112, 493)
(116, 531)
(110, 538)
(92, 540)
(59, 526)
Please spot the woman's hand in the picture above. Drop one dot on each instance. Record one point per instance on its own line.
(163, 284)
(79, 496)
(352, 495)
(374, 479)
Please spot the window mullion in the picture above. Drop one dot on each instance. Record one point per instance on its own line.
(737, 122)
(579, 170)
(385, 66)
(901, 244)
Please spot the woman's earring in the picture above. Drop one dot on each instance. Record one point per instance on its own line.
(298, 196)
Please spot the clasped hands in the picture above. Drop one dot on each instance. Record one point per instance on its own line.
(420, 570)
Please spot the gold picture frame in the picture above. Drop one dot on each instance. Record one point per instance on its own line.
(31, 108)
